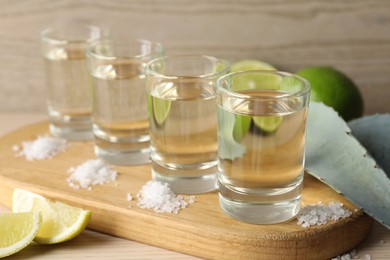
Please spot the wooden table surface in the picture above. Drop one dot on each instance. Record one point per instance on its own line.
(91, 244)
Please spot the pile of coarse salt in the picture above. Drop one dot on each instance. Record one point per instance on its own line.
(90, 173)
(43, 147)
(159, 197)
(348, 256)
(320, 214)
(352, 255)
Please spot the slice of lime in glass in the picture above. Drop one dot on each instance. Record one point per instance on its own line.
(254, 81)
(267, 124)
(150, 105)
(161, 108)
(241, 127)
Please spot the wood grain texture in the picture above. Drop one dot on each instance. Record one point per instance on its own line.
(200, 230)
(353, 36)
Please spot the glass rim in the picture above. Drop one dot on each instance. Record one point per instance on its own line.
(91, 49)
(45, 35)
(216, 74)
(305, 83)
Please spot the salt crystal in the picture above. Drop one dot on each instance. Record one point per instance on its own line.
(320, 214)
(382, 242)
(353, 253)
(91, 173)
(15, 148)
(191, 199)
(159, 197)
(43, 147)
(129, 197)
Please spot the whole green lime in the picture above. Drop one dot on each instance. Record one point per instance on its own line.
(334, 89)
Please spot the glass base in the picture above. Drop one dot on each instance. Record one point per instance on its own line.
(261, 206)
(193, 184)
(123, 157)
(260, 213)
(73, 134)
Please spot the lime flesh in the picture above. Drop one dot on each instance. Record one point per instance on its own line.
(161, 108)
(241, 127)
(17, 230)
(60, 222)
(267, 124)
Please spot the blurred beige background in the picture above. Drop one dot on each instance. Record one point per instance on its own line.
(351, 35)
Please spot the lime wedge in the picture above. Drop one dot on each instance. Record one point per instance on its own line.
(161, 108)
(241, 127)
(60, 222)
(17, 230)
(267, 124)
(253, 81)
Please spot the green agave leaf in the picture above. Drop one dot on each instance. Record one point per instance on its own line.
(373, 132)
(335, 157)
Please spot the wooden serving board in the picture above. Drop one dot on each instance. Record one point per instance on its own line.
(201, 230)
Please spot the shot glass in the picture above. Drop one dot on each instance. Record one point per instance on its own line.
(68, 81)
(261, 141)
(120, 103)
(183, 121)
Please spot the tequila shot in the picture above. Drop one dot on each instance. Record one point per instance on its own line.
(68, 81)
(261, 138)
(120, 103)
(183, 121)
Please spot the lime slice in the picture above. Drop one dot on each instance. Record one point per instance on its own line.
(60, 222)
(267, 124)
(241, 127)
(150, 105)
(253, 81)
(244, 65)
(17, 230)
(161, 108)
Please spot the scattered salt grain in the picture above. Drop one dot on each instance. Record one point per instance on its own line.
(159, 197)
(129, 197)
(15, 148)
(191, 199)
(91, 173)
(320, 214)
(43, 147)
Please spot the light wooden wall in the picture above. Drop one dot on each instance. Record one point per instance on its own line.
(351, 35)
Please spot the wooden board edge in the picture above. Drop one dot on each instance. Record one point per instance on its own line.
(209, 244)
